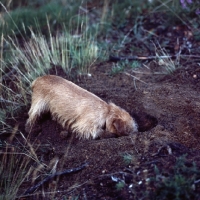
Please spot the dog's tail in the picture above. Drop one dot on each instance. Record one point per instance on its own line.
(37, 108)
(33, 83)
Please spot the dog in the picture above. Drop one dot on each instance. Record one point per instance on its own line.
(76, 109)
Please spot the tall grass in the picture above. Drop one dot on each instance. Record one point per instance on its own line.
(17, 161)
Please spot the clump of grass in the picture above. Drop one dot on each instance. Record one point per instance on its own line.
(117, 68)
(122, 66)
(164, 60)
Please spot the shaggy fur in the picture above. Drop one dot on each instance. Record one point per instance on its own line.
(77, 109)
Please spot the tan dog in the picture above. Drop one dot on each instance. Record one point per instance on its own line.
(77, 109)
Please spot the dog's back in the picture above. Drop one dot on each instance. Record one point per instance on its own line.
(46, 84)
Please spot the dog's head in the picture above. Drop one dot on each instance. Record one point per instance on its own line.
(119, 121)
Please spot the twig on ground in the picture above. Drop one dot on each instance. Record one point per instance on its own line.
(115, 58)
(120, 58)
(134, 77)
(51, 176)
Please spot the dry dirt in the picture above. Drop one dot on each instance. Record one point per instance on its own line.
(167, 109)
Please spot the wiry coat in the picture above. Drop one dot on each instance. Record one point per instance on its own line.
(76, 109)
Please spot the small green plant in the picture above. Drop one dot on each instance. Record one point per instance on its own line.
(134, 64)
(120, 185)
(180, 184)
(117, 68)
(122, 65)
(128, 158)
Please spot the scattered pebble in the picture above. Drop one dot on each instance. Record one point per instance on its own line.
(194, 76)
(140, 182)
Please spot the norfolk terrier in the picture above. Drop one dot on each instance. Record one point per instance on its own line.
(76, 109)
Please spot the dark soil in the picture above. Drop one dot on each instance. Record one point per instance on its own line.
(167, 109)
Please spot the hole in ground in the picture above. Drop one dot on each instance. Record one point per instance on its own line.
(145, 121)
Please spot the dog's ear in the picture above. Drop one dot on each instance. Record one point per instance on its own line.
(120, 127)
